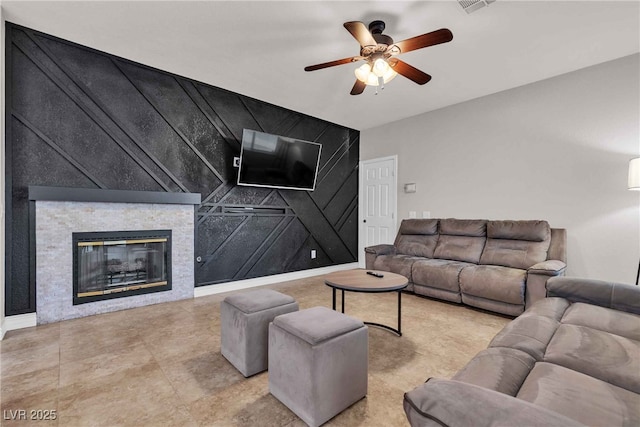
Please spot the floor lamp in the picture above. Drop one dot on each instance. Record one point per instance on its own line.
(634, 184)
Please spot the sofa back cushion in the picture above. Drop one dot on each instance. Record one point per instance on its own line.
(464, 227)
(461, 239)
(517, 244)
(417, 237)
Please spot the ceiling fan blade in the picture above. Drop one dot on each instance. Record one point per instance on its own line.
(333, 63)
(442, 35)
(360, 32)
(358, 87)
(409, 72)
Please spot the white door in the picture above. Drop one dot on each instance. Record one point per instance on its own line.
(378, 203)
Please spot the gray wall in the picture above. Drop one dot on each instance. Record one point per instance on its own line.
(557, 150)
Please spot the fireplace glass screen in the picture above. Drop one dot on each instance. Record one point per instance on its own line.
(115, 264)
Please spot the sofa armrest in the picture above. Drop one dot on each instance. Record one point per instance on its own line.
(618, 296)
(381, 250)
(552, 267)
(372, 252)
(452, 403)
(537, 276)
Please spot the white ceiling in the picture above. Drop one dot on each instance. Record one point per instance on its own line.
(260, 48)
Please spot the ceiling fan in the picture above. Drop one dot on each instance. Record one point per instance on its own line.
(379, 51)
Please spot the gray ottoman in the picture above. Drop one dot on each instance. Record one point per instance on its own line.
(318, 362)
(244, 324)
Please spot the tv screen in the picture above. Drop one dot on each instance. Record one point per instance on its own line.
(276, 161)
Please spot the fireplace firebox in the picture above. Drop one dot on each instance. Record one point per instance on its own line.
(121, 263)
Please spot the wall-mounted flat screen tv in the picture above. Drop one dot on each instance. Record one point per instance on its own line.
(277, 161)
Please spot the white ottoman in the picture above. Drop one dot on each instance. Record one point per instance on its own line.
(318, 362)
(244, 324)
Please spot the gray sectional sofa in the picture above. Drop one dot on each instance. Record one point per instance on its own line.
(500, 266)
(571, 359)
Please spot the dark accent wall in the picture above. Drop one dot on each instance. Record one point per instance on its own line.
(77, 117)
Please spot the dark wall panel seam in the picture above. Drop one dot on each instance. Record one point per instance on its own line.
(212, 117)
(323, 216)
(205, 201)
(280, 127)
(226, 241)
(263, 248)
(208, 258)
(345, 215)
(343, 153)
(221, 119)
(339, 187)
(255, 119)
(58, 150)
(178, 132)
(85, 108)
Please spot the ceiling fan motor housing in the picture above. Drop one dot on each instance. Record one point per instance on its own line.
(376, 28)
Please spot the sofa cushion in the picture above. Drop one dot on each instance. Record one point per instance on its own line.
(492, 305)
(459, 248)
(553, 308)
(400, 264)
(580, 397)
(618, 296)
(603, 319)
(464, 227)
(530, 334)
(494, 282)
(601, 355)
(427, 227)
(448, 403)
(514, 253)
(417, 237)
(533, 231)
(437, 273)
(438, 293)
(499, 368)
(416, 245)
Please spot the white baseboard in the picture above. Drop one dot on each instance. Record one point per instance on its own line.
(3, 330)
(202, 291)
(18, 321)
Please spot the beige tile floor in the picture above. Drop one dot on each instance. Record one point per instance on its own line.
(161, 365)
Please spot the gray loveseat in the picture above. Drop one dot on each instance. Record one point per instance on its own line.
(500, 266)
(571, 359)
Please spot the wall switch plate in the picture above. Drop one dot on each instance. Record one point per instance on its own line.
(412, 214)
(236, 162)
(313, 254)
(426, 214)
(410, 187)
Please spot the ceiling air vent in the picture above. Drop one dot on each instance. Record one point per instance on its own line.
(473, 5)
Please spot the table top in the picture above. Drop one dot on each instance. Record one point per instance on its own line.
(358, 280)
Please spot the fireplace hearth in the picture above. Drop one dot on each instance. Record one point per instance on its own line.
(118, 264)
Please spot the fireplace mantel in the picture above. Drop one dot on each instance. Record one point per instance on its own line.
(69, 194)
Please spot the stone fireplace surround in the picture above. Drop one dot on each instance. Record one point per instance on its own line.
(59, 212)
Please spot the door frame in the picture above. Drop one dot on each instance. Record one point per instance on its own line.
(393, 202)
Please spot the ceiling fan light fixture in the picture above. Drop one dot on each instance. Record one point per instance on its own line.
(380, 67)
(368, 75)
(363, 72)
